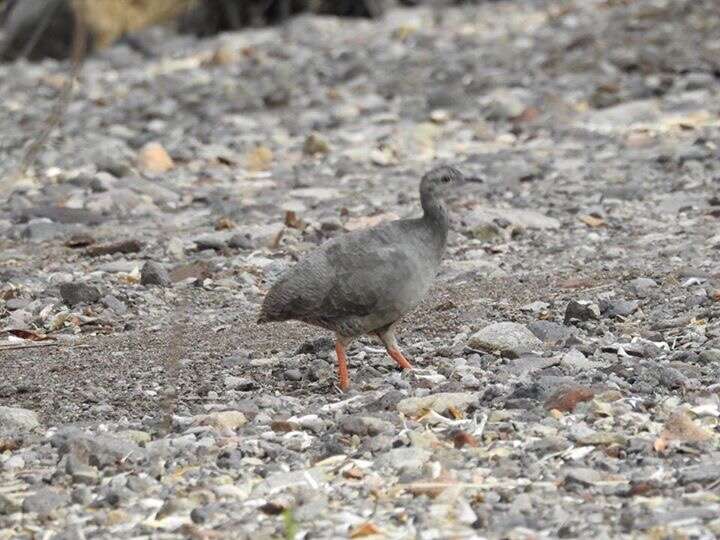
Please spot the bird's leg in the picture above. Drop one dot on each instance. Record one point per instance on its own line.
(341, 342)
(387, 336)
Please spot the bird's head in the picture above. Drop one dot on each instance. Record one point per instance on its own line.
(437, 181)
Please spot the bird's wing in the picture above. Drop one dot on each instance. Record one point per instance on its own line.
(355, 275)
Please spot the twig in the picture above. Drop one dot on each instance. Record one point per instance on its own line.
(79, 50)
(36, 346)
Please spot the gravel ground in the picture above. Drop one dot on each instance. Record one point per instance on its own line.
(567, 360)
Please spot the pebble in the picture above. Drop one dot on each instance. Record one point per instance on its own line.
(44, 501)
(17, 420)
(507, 337)
(79, 293)
(153, 273)
(440, 403)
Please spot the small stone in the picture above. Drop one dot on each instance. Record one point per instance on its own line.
(710, 356)
(293, 375)
(240, 241)
(216, 241)
(114, 304)
(79, 293)
(581, 312)
(619, 308)
(550, 332)
(575, 361)
(16, 420)
(102, 450)
(225, 420)
(411, 458)
(154, 273)
(643, 286)
(440, 403)
(154, 158)
(364, 425)
(565, 399)
(507, 337)
(13, 463)
(315, 144)
(224, 55)
(239, 383)
(44, 502)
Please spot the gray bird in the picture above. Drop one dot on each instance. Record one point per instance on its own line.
(365, 281)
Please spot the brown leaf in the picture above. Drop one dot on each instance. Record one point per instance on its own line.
(366, 529)
(9, 443)
(28, 335)
(353, 473)
(283, 426)
(293, 221)
(681, 428)
(593, 221)
(566, 399)
(79, 240)
(123, 246)
(462, 438)
(225, 223)
(259, 159)
(455, 412)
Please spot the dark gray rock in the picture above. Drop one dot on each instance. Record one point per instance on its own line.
(153, 273)
(98, 450)
(576, 311)
(79, 293)
(549, 331)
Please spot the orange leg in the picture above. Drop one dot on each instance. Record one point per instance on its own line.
(396, 355)
(387, 336)
(342, 366)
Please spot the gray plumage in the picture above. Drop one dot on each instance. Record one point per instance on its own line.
(365, 281)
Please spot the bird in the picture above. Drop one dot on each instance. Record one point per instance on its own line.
(363, 282)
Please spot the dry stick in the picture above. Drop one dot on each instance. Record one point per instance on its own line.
(37, 346)
(79, 50)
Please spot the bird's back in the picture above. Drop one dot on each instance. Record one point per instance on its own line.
(360, 281)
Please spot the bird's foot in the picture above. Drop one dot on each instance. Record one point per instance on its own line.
(399, 359)
(344, 376)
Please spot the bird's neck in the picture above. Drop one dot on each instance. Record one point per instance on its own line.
(436, 217)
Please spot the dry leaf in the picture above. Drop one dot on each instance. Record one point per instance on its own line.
(366, 529)
(566, 399)
(259, 159)
(354, 473)
(28, 335)
(463, 438)
(293, 221)
(681, 428)
(225, 223)
(455, 412)
(593, 221)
